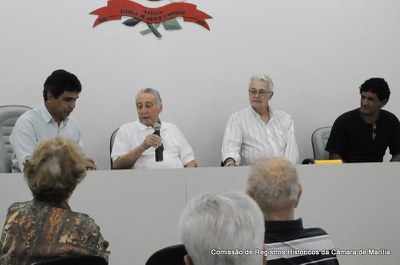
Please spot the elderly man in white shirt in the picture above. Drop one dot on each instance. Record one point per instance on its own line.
(259, 130)
(135, 143)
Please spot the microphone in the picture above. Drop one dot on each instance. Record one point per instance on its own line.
(159, 151)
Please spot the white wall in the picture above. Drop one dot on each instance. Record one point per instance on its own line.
(317, 52)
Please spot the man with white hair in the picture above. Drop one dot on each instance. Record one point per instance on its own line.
(259, 130)
(135, 143)
(274, 184)
(222, 229)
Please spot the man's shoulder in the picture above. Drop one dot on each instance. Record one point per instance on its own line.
(281, 114)
(34, 117)
(128, 125)
(240, 114)
(286, 233)
(28, 121)
(30, 115)
(351, 114)
(132, 128)
(314, 231)
(295, 226)
(169, 125)
(388, 115)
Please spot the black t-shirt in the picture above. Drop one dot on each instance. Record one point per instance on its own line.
(357, 141)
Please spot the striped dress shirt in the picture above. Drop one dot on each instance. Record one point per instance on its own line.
(288, 242)
(247, 137)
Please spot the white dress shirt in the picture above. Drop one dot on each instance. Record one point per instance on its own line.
(36, 125)
(177, 151)
(247, 137)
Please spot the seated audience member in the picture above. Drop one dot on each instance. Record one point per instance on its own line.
(364, 134)
(217, 229)
(273, 183)
(136, 142)
(50, 119)
(259, 130)
(46, 227)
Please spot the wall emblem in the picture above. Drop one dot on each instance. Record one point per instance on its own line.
(154, 17)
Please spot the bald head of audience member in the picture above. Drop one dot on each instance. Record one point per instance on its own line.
(218, 228)
(274, 184)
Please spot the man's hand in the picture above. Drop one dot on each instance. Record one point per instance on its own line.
(128, 160)
(90, 164)
(229, 162)
(152, 140)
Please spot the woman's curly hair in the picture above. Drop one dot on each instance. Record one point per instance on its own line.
(54, 169)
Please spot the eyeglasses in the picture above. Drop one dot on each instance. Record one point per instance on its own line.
(261, 92)
(373, 131)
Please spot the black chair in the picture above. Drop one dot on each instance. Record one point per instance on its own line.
(112, 138)
(73, 260)
(172, 255)
(308, 161)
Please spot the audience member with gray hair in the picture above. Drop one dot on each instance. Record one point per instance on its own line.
(136, 142)
(274, 184)
(259, 130)
(222, 229)
(46, 227)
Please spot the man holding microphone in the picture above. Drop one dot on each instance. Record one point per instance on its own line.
(148, 142)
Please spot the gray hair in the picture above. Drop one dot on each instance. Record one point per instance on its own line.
(265, 78)
(54, 169)
(274, 183)
(151, 91)
(222, 221)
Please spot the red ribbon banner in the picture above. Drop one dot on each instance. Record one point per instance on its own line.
(117, 9)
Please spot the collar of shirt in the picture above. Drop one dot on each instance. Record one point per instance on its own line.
(63, 205)
(143, 127)
(285, 225)
(46, 116)
(271, 113)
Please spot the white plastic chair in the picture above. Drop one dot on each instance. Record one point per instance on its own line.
(319, 138)
(8, 116)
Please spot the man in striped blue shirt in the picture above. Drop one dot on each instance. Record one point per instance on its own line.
(274, 184)
(259, 130)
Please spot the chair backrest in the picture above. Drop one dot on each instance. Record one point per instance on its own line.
(73, 260)
(112, 138)
(172, 255)
(319, 138)
(8, 116)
